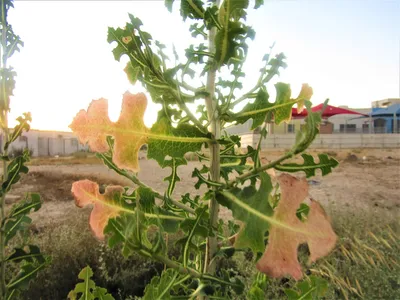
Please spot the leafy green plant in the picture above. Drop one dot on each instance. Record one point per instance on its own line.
(88, 289)
(14, 223)
(273, 222)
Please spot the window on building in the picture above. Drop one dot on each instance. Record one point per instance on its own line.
(291, 128)
(349, 127)
(74, 142)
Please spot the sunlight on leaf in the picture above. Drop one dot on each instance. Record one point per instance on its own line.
(280, 257)
(129, 131)
(87, 192)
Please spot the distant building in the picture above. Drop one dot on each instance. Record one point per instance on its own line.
(47, 143)
(385, 102)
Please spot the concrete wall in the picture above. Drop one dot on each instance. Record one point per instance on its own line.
(48, 143)
(329, 141)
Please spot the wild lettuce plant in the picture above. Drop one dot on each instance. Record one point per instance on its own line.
(13, 224)
(139, 218)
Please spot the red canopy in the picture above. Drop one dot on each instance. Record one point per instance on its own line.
(328, 112)
(296, 115)
(333, 110)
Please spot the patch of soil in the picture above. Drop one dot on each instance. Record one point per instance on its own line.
(54, 186)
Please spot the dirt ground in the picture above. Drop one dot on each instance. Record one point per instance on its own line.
(364, 180)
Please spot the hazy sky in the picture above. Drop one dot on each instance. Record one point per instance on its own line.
(347, 51)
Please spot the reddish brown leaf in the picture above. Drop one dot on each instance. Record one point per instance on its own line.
(93, 126)
(280, 256)
(129, 131)
(87, 192)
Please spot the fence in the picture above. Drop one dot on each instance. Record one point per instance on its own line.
(336, 141)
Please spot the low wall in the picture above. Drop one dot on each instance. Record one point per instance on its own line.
(334, 141)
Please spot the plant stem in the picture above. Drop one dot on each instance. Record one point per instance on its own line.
(137, 181)
(258, 170)
(215, 128)
(4, 116)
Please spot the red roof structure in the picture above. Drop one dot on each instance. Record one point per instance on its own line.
(328, 112)
(333, 110)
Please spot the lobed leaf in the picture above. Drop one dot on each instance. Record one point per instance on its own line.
(325, 164)
(228, 36)
(18, 219)
(26, 274)
(307, 134)
(280, 256)
(17, 131)
(130, 133)
(29, 256)
(252, 230)
(166, 140)
(14, 169)
(106, 206)
(173, 163)
(281, 108)
(312, 287)
(192, 9)
(159, 287)
(88, 289)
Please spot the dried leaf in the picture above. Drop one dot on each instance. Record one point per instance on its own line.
(129, 131)
(305, 94)
(93, 126)
(106, 206)
(280, 257)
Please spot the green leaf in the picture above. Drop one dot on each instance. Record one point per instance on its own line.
(168, 4)
(256, 110)
(133, 72)
(159, 287)
(17, 218)
(230, 36)
(252, 231)
(194, 227)
(166, 140)
(102, 294)
(173, 163)
(307, 134)
(211, 17)
(302, 211)
(130, 230)
(202, 180)
(17, 131)
(256, 293)
(88, 289)
(7, 75)
(325, 164)
(226, 43)
(284, 112)
(258, 3)
(26, 274)
(30, 256)
(14, 169)
(192, 9)
(281, 108)
(311, 288)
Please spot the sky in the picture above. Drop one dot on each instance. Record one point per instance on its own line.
(348, 51)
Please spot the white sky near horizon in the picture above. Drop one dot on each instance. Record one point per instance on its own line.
(347, 51)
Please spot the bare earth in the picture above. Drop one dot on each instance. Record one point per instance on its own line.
(372, 184)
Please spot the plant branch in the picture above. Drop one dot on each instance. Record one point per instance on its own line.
(4, 116)
(261, 80)
(215, 124)
(138, 182)
(255, 171)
